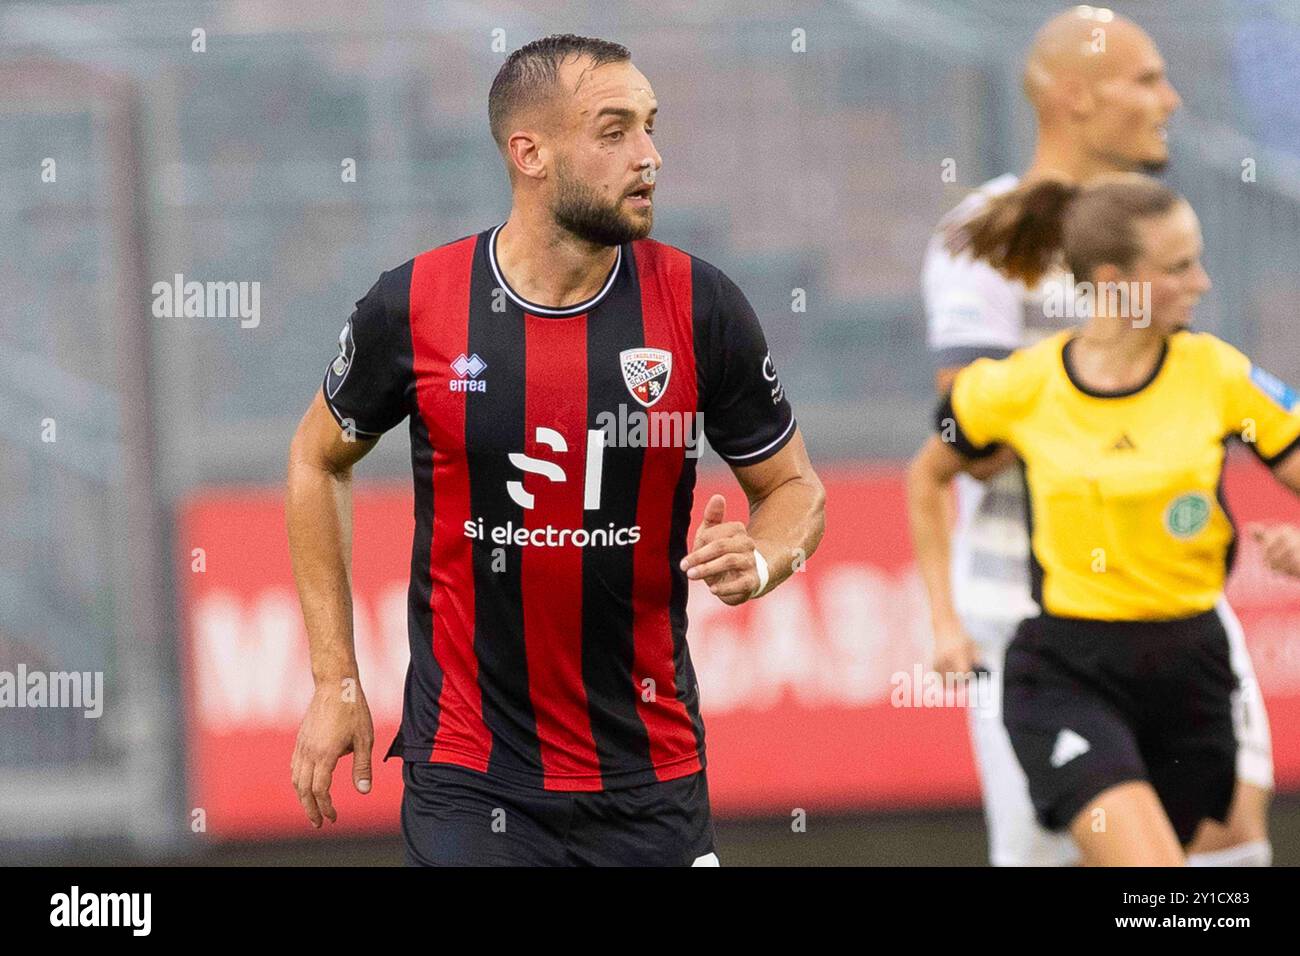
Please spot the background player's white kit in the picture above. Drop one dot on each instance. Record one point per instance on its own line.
(972, 311)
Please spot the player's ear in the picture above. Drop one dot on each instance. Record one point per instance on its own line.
(526, 155)
(1077, 97)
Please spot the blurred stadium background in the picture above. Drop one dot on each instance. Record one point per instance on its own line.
(146, 540)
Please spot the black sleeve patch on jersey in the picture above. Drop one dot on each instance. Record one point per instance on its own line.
(342, 364)
(949, 431)
(747, 417)
(365, 385)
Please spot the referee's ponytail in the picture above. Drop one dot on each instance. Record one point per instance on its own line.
(1024, 233)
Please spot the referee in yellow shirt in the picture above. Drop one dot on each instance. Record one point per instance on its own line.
(1117, 697)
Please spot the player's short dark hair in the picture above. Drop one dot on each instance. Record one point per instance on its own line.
(528, 75)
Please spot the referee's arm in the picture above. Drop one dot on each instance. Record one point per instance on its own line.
(318, 510)
(1280, 543)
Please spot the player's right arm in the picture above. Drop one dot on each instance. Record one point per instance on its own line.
(318, 510)
(367, 390)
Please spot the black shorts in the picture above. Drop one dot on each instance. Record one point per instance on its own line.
(452, 816)
(1091, 704)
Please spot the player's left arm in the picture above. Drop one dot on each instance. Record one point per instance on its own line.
(750, 424)
(787, 516)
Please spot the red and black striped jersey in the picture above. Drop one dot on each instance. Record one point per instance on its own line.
(554, 469)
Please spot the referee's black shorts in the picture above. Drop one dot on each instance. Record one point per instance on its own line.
(453, 816)
(1092, 704)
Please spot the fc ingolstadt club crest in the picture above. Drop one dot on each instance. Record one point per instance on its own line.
(646, 373)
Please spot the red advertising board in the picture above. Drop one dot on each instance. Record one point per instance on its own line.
(795, 687)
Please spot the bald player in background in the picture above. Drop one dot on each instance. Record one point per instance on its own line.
(1102, 100)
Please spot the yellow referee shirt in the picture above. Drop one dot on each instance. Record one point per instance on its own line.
(1126, 516)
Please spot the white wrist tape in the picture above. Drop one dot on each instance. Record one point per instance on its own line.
(760, 565)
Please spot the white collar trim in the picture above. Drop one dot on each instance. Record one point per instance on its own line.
(533, 307)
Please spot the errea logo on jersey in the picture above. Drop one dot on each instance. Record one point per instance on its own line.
(468, 369)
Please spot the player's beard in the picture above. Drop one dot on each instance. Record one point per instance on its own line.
(580, 210)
